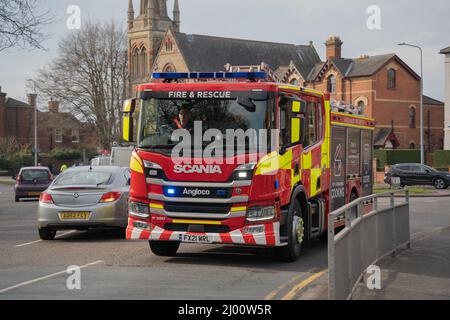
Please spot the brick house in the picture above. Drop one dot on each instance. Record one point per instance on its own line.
(16, 118)
(383, 87)
(55, 129)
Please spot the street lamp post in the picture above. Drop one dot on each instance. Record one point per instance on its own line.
(422, 148)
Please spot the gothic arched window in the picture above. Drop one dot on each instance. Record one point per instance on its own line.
(331, 84)
(392, 79)
(135, 64)
(143, 63)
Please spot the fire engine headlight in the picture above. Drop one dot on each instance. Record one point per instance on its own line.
(152, 165)
(140, 210)
(260, 214)
(244, 172)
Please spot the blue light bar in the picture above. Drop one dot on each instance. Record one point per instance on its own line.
(210, 75)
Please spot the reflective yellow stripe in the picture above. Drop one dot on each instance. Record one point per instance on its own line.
(126, 127)
(353, 116)
(290, 88)
(127, 106)
(296, 106)
(218, 223)
(295, 136)
(136, 163)
(342, 124)
(156, 206)
(315, 175)
(237, 209)
(307, 161)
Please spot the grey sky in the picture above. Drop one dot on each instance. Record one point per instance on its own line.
(420, 22)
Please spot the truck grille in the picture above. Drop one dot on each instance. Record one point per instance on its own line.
(185, 207)
(199, 228)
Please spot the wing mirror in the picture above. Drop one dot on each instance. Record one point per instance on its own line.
(129, 107)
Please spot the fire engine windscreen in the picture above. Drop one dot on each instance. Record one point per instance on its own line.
(246, 121)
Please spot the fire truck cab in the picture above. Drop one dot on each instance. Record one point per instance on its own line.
(194, 180)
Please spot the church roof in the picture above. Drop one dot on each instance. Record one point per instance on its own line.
(208, 53)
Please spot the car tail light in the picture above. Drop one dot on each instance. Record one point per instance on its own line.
(46, 198)
(110, 197)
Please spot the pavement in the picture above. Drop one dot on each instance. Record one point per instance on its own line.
(423, 271)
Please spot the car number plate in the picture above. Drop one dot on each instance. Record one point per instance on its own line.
(34, 194)
(395, 181)
(194, 238)
(74, 215)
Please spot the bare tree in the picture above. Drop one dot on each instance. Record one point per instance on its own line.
(89, 77)
(20, 24)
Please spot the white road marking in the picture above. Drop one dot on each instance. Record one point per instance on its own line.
(46, 277)
(38, 241)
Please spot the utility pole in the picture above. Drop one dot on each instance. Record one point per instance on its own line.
(422, 147)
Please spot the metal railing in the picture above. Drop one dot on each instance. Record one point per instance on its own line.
(372, 231)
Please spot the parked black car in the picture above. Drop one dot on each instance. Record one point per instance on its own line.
(413, 174)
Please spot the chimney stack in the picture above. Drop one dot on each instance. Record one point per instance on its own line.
(32, 98)
(2, 97)
(53, 106)
(334, 47)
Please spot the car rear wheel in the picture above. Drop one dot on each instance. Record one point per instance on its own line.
(440, 184)
(164, 248)
(47, 234)
(296, 235)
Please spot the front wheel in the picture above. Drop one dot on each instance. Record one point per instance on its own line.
(47, 234)
(164, 248)
(295, 227)
(440, 184)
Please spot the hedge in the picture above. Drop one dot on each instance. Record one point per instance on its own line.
(442, 159)
(391, 157)
(66, 154)
(13, 162)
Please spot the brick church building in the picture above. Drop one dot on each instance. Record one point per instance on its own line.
(383, 87)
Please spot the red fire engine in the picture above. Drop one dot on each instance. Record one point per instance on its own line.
(317, 161)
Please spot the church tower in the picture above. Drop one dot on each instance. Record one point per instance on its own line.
(145, 34)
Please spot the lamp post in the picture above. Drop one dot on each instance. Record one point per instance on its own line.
(422, 149)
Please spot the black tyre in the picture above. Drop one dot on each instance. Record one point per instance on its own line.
(47, 234)
(440, 184)
(17, 199)
(295, 229)
(164, 248)
(122, 232)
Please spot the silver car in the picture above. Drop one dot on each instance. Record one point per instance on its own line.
(83, 198)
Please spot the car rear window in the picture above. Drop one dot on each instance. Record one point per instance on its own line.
(84, 178)
(34, 175)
